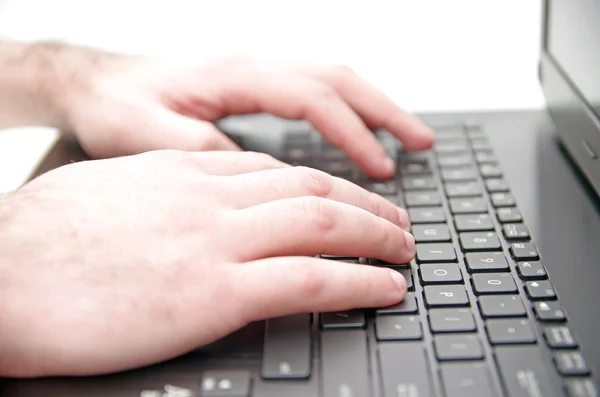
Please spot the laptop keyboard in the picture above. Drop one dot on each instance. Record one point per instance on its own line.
(481, 317)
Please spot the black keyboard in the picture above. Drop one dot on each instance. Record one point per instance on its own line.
(482, 317)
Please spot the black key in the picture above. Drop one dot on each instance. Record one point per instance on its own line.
(398, 328)
(343, 319)
(581, 387)
(467, 205)
(418, 183)
(524, 251)
(571, 363)
(496, 185)
(540, 290)
(515, 231)
(502, 200)
(532, 270)
(463, 189)
(549, 311)
(442, 273)
(455, 136)
(458, 174)
(458, 347)
(407, 306)
(494, 283)
(407, 276)
(490, 171)
(225, 383)
(344, 364)
(333, 154)
(378, 262)
(473, 222)
(402, 377)
(422, 199)
(287, 348)
(451, 320)
(486, 262)
(414, 167)
(428, 253)
(560, 338)
(348, 259)
(510, 332)
(485, 157)
(467, 380)
(525, 373)
(509, 215)
(480, 241)
(451, 147)
(501, 306)
(427, 215)
(431, 233)
(445, 295)
(383, 188)
(454, 161)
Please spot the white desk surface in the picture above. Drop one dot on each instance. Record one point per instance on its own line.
(426, 55)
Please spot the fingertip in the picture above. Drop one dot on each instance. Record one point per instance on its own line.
(399, 287)
(404, 219)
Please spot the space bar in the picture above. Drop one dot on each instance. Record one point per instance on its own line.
(344, 363)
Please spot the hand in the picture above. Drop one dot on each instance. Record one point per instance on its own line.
(112, 264)
(130, 105)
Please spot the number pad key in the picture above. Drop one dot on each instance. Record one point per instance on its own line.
(510, 332)
(486, 262)
(431, 233)
(445, 295)
(480, 241)
(571, 363)
(467, 205)
(582, 388)
(427, 215)
(473, 222)
(492, 306)
(431, 253)
(494, 283)
(560, 338)
(451, 320)
(443, 273)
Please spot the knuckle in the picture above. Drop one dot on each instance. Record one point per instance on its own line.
(310, 280)
(320, 214)
(324, 93)
(316, 183)
(375, 204)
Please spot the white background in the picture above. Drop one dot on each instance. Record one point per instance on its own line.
(426, 55)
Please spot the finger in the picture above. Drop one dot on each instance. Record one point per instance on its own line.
(313, 226)
(375, 108)
(294, 96)
(276, 184)
(288, 285)
(236, 163)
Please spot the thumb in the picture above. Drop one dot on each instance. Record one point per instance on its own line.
(288, 285)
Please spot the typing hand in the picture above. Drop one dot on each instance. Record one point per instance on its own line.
(131, 105)
(113, 264)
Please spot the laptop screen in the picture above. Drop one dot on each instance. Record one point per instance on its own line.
(574, 43)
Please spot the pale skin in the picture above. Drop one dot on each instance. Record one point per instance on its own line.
(116, 263)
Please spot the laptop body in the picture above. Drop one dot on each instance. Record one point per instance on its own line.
(546, 159)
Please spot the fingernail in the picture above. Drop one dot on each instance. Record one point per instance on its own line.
(399, 280)
(389, 166)
(410, 242)
(404, 219)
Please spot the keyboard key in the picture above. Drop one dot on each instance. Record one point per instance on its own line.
(581, 388)
(510, 332)
(481, 143)
(496, 185)
(501, 306)
(428, 253)
(414, 167)
(382, 188)
(494, 283)
(451, 147)
(486, 262)
(480, 241)
(473, 222)
(287, 348)
(509, 215)
(490, 171)
(349, 259)
(532, 270)
(549, 311)
(378, 262)
(540, 290)
(445, 295)
(502, 200)
(560, 338)
(463, 189)
(418, 183)
(571, 363)
(467, 380)
(451, 320)
(442, 273)
(400, 376)
(422, 199)
(398, 328)
(343, 319)
(467, 205)
(407, 276)
(524, 251)
(223, 383)
(525, 372)
(431, 233)
(515, 231)
(457, 347)
(458, 174)
(407, 306)
(347, 350)
(485, 157)
(454, 160)
(427, 215)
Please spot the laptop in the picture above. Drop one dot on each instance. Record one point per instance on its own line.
(504, 288)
